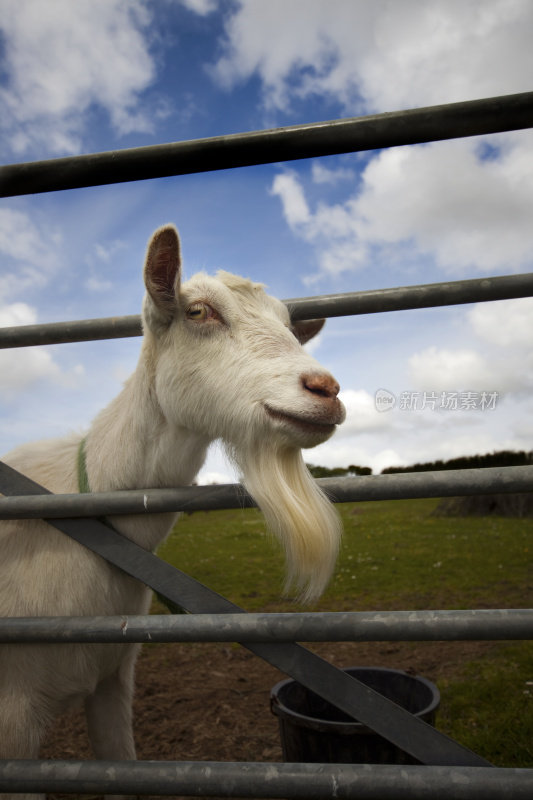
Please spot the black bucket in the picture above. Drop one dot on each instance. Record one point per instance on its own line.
(312, 730)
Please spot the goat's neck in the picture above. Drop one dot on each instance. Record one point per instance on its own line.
(132, 446)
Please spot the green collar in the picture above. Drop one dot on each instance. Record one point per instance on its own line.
(83, 479)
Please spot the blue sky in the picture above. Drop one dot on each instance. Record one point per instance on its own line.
(105, 74)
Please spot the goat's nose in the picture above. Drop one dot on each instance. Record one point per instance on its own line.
(322, 385)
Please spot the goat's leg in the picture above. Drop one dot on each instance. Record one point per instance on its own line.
(21, 730)
(110, 718)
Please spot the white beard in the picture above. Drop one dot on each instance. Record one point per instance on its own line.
(297, 512)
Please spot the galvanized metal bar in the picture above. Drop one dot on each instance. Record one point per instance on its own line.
(408, 732)
(132, 501)
(83, 330)
(266, 780)
(403, 298)
(472, 118)
(407, 485)
(321, 626)
(440, 483)
(400, 298)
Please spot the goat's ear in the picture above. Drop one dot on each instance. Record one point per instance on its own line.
(305, 329)
(162, 272)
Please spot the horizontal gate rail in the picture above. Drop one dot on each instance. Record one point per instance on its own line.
(394, 486)
(374, 301)
(267, 780)
(414, 126)
(320, 626)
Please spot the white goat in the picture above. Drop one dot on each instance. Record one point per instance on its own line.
(219, 359)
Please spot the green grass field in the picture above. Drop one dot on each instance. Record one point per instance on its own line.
(397, 555)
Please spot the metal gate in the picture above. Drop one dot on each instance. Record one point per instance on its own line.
(449, 770)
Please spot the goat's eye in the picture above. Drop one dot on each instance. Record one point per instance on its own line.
(199, 312)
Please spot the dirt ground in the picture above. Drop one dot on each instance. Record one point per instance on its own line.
(211, 701)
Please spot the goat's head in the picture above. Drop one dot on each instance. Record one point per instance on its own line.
(228, 364)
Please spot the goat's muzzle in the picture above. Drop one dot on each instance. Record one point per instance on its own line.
(318, 422)
(321, 385)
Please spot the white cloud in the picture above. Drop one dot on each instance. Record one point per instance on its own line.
(446, 201)
(380, 55)
(323, 174)
(440, 370)
(522, 423)
(342, 452)
(500, 360)
(300, 33)
(24, 240)
(106, 252)
(217, 468)
(94, 284)
(465, 210)
(361, 413)
(17, 314)
(207, 478)
(291, 194)
(443, 52)
(62, 58)
(202, 7)
(507, 323)
(334, 222)
(21, 368)
(386, 458)
(106, 255)
(435, 369)
(342, 256)
(29, 252)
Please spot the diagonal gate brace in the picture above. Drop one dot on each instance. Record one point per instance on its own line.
(394, 723)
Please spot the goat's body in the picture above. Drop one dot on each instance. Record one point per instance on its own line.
(45, 573)
(195, 382)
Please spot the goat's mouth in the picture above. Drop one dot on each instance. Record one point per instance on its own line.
(313, 425)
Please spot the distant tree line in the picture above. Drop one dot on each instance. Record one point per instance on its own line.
(337, 472)
(508, 505)
(503, 458)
